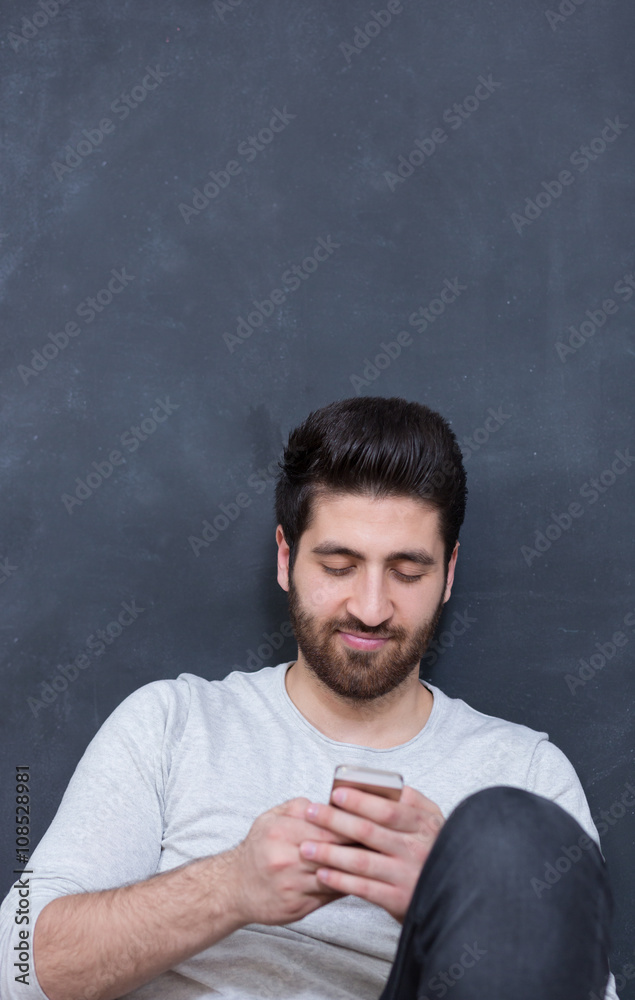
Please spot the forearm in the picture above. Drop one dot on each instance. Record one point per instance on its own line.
(101, 945)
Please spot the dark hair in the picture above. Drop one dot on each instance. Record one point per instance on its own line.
(371, 445)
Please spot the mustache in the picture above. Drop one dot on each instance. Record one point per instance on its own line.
(371, 633)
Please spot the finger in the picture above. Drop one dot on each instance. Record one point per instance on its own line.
(411, 836)
(311, 885)
(397, 815)
(393, 898)
(359, 829)
(425, 808)
(292, 807)
(354, 860)
(306, 830)
(413, 797)
(323, 893)
(296, 809)
(412, 813)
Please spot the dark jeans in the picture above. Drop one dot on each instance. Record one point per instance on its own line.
(508, 906)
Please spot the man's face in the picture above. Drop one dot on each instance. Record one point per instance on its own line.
(391, 583)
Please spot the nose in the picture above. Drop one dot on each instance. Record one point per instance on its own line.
(369, 601)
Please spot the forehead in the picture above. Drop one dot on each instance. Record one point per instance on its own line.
(374, 519)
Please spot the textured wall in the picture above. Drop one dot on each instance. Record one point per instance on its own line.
(218, 216)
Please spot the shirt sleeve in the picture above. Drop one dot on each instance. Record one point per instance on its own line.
(553, 775)
(108, 829)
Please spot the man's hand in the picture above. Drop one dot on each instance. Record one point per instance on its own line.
(274, 883)
(105, 944)
(402, 833)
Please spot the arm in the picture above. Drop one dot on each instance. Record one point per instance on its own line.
(98, 900)
(101, 945)
(552, 774)
(107, 832)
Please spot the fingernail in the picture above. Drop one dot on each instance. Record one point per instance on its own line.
(308, 850)
(312, 810)
(339, 796)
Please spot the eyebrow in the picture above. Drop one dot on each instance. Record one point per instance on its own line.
(420, 556)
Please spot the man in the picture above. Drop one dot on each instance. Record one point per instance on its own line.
(196, 854)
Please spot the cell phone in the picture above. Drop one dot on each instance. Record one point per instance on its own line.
(368, 779)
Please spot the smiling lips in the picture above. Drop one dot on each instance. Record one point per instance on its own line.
(358, 642)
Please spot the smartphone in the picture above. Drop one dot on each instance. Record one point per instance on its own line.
(368, 779)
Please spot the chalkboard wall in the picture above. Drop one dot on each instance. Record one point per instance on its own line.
(218, 216)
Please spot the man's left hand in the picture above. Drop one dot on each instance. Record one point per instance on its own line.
(400, 836)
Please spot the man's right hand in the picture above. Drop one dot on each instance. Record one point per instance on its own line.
(276, 885)
(153, 925)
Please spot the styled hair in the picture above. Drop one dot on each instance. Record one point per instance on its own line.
(371, 446)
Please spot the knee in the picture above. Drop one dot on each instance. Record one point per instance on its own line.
(505, 820)
(505, 843)
(508, 807)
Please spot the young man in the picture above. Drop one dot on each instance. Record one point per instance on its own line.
(196, 853)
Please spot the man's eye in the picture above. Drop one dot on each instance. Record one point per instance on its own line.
(405, 577)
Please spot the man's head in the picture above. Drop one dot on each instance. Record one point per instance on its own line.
(382, 482)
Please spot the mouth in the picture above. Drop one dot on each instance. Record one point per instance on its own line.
(361, 642)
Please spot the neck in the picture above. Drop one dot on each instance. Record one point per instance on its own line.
(385, 722)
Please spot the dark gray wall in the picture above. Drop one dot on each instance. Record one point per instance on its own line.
(521, 199)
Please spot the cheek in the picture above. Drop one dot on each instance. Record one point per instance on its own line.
(424, 609)
(322, 595)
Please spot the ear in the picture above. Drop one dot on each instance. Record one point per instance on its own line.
(451, 567)
(283, 559)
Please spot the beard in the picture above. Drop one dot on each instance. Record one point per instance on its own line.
(356, 674)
